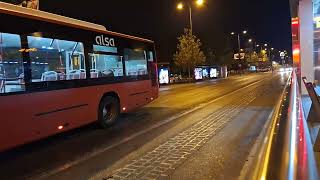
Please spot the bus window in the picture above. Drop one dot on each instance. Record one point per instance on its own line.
(151, 57)
(105, 66)
(104, 49)
(11, 64)
(135, 62)
(56, 60)
(152, 68)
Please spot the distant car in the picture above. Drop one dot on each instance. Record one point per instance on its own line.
(288, 69)
(175, 78)
(266, 69)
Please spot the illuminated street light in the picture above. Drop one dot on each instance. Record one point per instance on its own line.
(238, 35)
(199, 2)
(241, 50)
(180, 6)
(272, 49)
(250, 40)
(265, 45)
(259, 46)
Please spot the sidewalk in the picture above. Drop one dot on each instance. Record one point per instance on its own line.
(182, 85)
(169, 86)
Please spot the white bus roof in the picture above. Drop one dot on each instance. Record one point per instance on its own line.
(41, 15)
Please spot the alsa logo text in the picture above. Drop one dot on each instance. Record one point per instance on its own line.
(105, 41)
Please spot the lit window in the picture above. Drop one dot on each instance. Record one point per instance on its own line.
(150, 58)
(105, 66)
(135, 62)
(56, 60)
(11, 64)
(104, 49)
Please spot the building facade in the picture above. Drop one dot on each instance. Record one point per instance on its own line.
(306, 38)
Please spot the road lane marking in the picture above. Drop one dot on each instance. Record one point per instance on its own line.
(162, 160)
(94, 153)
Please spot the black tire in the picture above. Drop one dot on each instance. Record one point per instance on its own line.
(108, 112)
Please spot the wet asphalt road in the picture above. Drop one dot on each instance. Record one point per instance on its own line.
(192, 131)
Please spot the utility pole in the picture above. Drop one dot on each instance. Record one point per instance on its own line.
(239, 46)
(190, 18)
(180, 6)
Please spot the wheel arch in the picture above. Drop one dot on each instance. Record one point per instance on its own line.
(112, 94)
(100, 116)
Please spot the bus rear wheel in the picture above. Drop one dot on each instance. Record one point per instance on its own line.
(109, 110)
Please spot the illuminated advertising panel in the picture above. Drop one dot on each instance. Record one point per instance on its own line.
(164, 76)
(236, 56)
(213, 73)
(252, 68)
(205, 73)
(198, 73)
(296, 44)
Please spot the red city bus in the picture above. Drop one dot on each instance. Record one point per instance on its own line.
(58, 73)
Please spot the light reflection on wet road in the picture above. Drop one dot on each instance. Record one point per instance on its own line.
(193, 118)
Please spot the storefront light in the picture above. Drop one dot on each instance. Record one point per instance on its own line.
(296, 52)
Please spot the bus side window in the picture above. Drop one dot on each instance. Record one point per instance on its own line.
(103, 65)
(152, 68)
(150, 56)
(135, 63)
(11, 64)
(56, 60)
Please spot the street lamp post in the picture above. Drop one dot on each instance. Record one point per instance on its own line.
(253, 44)
(190, 18)
(271, 49)
(239, 48)
(239, 42)
(180, 6)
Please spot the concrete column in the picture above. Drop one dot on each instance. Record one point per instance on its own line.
(306, 41)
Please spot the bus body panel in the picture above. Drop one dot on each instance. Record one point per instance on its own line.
(41, 114)
(38, 106)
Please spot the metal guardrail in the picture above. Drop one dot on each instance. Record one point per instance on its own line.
(286, 151)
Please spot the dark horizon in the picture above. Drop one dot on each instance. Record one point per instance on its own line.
(268, 21)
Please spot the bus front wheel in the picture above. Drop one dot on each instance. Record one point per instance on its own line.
(109, 110)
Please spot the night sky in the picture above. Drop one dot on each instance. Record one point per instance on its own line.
(268, 21)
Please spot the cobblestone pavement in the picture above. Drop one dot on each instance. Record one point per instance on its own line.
(164, 159)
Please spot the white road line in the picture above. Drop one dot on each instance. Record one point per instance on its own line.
(90, 155)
